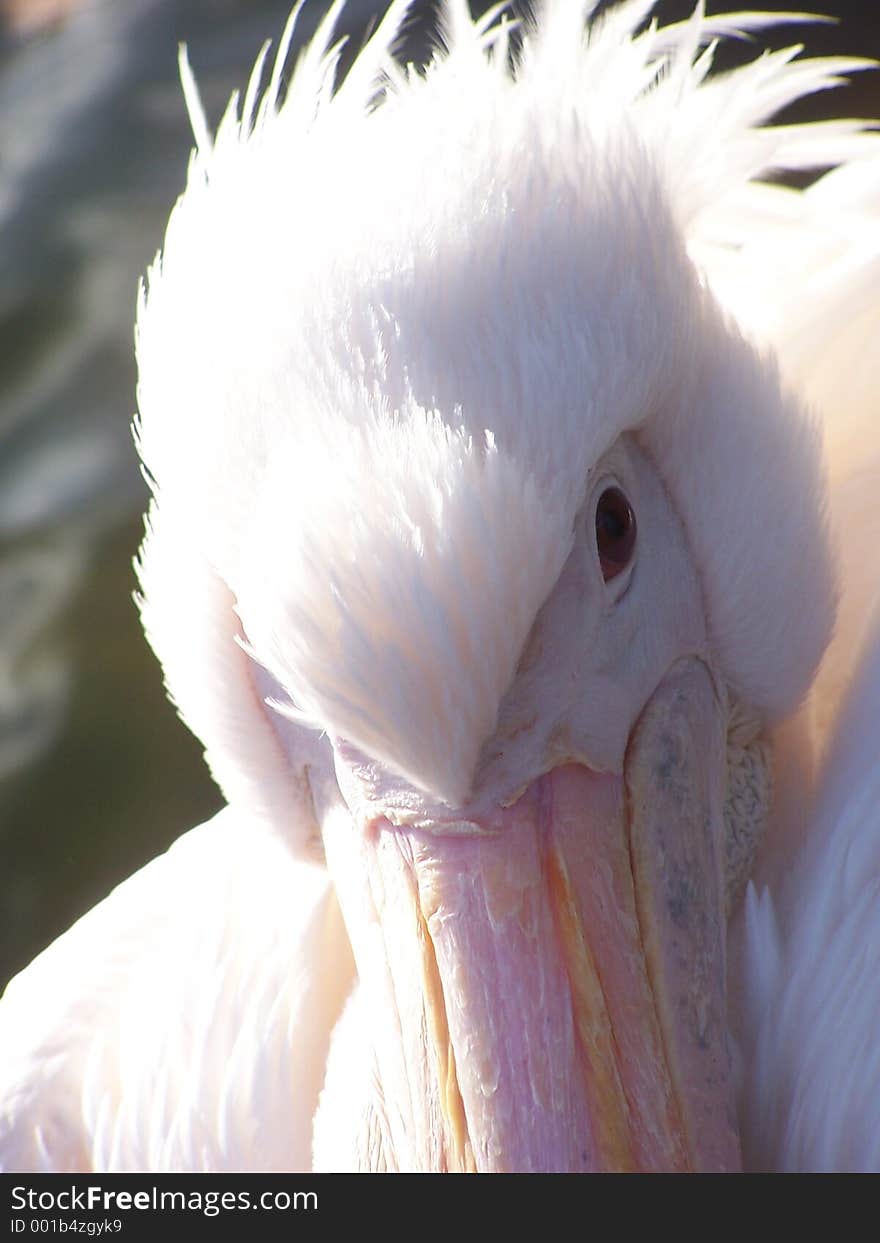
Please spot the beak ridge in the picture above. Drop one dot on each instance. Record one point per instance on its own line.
(558, 986)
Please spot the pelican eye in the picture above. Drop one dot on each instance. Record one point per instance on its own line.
(615, 532)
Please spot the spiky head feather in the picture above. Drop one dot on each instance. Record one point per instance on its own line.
(393, 328)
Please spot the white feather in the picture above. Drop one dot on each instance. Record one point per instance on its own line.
(811, 941)
(394, 409)
(812, 962)
(425, 417)
(183, 1023)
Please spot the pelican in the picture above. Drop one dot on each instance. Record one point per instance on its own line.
(513, 553)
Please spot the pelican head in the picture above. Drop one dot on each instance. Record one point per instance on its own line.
(485, 552)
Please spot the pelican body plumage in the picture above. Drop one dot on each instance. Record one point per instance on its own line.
(514, 449)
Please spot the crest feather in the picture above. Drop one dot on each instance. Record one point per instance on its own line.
(394, 326)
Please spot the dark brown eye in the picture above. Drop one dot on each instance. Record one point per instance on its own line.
(615, 532)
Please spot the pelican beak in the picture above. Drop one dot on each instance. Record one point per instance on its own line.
(551, 995)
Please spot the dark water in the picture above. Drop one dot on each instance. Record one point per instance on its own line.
(96, 774)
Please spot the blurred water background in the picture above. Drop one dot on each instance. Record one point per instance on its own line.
(96, 773)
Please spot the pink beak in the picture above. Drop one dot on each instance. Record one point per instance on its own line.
(551, 995)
